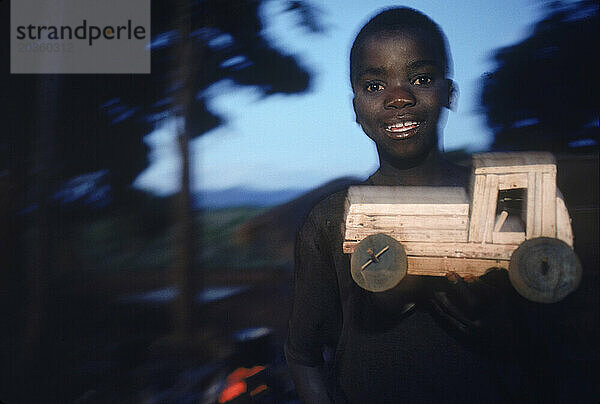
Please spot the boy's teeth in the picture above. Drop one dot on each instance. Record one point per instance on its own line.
(402, 126)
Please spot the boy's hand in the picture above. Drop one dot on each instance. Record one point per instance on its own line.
(471, 303)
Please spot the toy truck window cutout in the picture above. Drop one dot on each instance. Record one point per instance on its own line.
(515, 219)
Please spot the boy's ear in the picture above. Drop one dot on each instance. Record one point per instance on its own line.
(354, 108)
(452, 95)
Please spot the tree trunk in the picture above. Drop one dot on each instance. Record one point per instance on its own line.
(184, 248)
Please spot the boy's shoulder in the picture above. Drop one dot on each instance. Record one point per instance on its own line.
(333, 201)
(329, 199)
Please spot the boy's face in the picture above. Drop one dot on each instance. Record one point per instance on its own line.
(399, 90)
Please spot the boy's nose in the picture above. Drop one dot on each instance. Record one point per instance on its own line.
(400, 99)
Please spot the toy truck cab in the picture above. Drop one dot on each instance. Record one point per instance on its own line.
(515, 219)
(525, 179)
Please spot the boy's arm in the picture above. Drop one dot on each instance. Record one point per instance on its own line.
(315, 311)
(308, 381)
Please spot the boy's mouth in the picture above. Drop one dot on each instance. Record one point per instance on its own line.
(402, 129)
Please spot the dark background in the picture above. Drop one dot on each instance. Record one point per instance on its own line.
(109, 294)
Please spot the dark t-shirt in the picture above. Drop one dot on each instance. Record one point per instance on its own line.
(402, 345)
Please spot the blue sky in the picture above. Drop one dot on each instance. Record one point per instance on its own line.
(302, 141)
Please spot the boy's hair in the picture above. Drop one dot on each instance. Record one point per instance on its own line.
(397, 19)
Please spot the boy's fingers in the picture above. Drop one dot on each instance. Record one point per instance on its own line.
(453, 277)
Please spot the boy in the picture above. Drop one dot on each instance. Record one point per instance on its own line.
(409, 343)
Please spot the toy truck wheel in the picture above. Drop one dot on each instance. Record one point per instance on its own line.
(378, 263)
(544, 270)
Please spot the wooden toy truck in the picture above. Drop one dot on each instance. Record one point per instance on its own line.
(515, 219)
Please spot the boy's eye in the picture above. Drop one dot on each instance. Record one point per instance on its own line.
(373, 87)
(422, 81)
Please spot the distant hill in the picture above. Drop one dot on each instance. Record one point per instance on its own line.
(241, 196)
(273, 232)
(249, 197)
